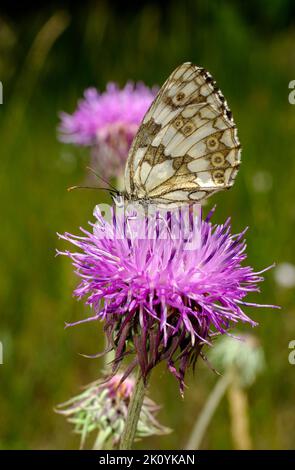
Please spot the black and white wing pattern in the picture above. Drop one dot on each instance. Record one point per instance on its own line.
(187, 146)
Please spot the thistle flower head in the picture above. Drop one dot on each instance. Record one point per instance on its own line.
(102, 407)
(107, 122)
(161, 297)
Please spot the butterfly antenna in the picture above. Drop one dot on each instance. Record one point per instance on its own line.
(102, 179)
(72, 188)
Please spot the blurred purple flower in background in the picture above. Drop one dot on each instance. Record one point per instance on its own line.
(159, 300)
(107, 123)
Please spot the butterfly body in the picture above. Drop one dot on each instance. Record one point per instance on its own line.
(187, 146)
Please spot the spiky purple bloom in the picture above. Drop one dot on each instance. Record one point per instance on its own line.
(158, 299)
(107, 122)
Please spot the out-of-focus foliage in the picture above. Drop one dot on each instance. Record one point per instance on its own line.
(47, 58)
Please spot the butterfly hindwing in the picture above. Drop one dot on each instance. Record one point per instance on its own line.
(187, 146)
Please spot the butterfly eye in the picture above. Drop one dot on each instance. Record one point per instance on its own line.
(218, 176)
(217, 159)
(212, 143)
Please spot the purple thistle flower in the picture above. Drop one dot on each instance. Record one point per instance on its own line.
(107, 122)
(158, 299)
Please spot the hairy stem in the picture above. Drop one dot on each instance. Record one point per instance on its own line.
(133, 413)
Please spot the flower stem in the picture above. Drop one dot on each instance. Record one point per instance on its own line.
(134, 409)
(239, 411)
(208, 411)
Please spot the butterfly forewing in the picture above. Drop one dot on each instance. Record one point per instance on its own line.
(187, 146)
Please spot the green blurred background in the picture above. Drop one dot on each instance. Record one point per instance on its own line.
(48, 56)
